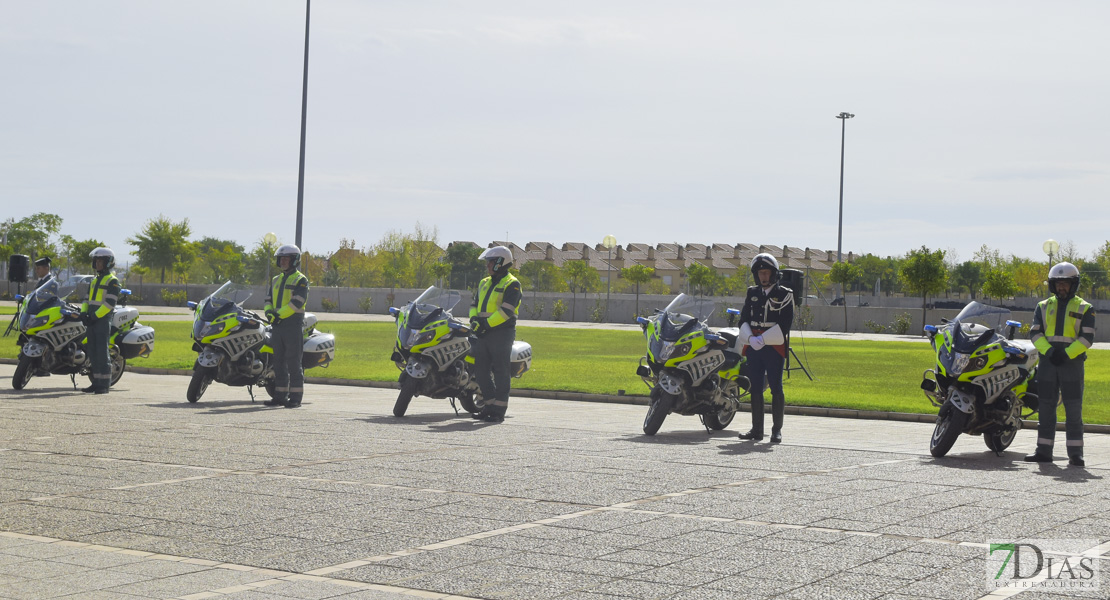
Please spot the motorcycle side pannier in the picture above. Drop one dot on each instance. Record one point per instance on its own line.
(319, 350)
(138, 342)
(521, 359)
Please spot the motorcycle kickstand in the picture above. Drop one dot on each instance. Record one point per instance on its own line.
(707, 429)
(251, 392)
(73, 379)
(452, 400)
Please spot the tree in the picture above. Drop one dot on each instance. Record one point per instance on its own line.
(580, 277)
(844, 273)
(423, 250)
(31, 235)
(440, 270)
(999, 284)
(466, 269)
(392, 252)
(923, 272)
(76, 252)
(260, 262)
(222, 259)
(638, 274)
(701, 278)
(969, 276)
(541, 276)
(162, 244)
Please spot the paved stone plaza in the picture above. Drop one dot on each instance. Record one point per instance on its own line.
(139, 494)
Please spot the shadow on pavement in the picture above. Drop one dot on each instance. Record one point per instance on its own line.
(1066, 473)
(740, 448)
(979, 461)
(419, 419)
(215, 408)
(685, 438)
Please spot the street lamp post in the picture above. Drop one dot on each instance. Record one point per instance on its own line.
(1050, 247)
(840, 219)
(608, 241)
(304, 119)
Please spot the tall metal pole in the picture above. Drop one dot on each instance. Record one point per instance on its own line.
(304, 119)
(840, 221)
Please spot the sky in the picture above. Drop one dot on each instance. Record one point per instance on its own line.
(702, 121)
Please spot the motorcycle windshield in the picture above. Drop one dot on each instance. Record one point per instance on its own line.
(682, 315)
(53, 293)
(965, 337)
(445, 299)
(230, 296)
(432, 305)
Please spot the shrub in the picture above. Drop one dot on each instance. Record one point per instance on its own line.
(558, 310)
(535, 311)
(597, 314)
(803, 317)
(173, 297)
(328, 304)
(874, 327)
(365, 303)
(901, 324)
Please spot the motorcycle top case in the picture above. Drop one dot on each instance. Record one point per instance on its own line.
(318, 350)
(138, 342)
(123, 315)
(521, 358)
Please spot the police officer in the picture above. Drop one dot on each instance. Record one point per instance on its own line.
(285, 301)
(1063, 329)
(493, 317)
(765, 324)
(96, 314)
(42, 271)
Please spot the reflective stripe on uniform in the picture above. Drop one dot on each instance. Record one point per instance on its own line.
(1074, 443)
(1045, 442)
(498, 403)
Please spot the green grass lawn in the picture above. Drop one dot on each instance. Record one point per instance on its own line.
(847, 374)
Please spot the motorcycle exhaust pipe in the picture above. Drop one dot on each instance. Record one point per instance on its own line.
(256, 367)
(79, 356)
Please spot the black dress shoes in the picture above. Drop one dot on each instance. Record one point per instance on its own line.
(1038, 457)
(1077, 461)
(751, 435)
(776, 437)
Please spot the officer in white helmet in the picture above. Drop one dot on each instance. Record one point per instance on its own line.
(493, 317)
(1063, 330)
(285, 302)
(764, 327)
(96, 314)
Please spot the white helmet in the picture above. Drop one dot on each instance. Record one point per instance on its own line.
(103, 252)
(765, 261)
(502, 255)
(1064, 272)
(292, 252)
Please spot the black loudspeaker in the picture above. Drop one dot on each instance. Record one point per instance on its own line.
(793, 279)
(19, 268)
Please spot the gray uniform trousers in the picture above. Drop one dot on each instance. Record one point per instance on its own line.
(287, 341)
(1052, 382)
(492, 355)
(97, 344)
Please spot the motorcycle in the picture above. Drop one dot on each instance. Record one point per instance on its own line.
(232, 344)
(432, 350)
(689, 369)
(52, 338)
(982, 378)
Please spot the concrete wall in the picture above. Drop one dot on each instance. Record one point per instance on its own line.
(880, 310)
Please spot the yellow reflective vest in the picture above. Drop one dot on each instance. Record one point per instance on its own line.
(288, 294)
(497, 303)
(1071, 326)
(103, 295)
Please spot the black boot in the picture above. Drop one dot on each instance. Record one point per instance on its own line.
(101, 390)
(294, 401)
(280, 400)
(90, 390)
(776, 437)
(1077, 461)
(1038, 457)
(752, 435)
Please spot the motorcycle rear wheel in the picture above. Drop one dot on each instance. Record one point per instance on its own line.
(198, 384)
(118, 363)
(999, 441)
(720, 419)
(23, 373)
(471, 403)
(660, 407)
(949, 427)
(408, 390)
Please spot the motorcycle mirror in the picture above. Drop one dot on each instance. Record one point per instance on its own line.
(641, 320)
(191, 304)
(943, 320)
(1013, 323)
(18, 297)
(125, 292)
(732, 311)
(931, 329)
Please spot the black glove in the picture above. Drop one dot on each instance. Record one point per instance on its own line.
(478, 325)
(1057, 356)
(272, 315)
(86, 319)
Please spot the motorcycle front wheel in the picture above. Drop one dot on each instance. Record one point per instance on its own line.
(198, 384)
(23, 373)
(660, 407)
(471, 403)
(408, 390)
(950, 425)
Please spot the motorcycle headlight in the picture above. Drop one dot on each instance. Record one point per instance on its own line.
(665, 351)
(211, 329)
(959, 363)
(37, 322)
(424, 338)
(976, 364)
(681, 349)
